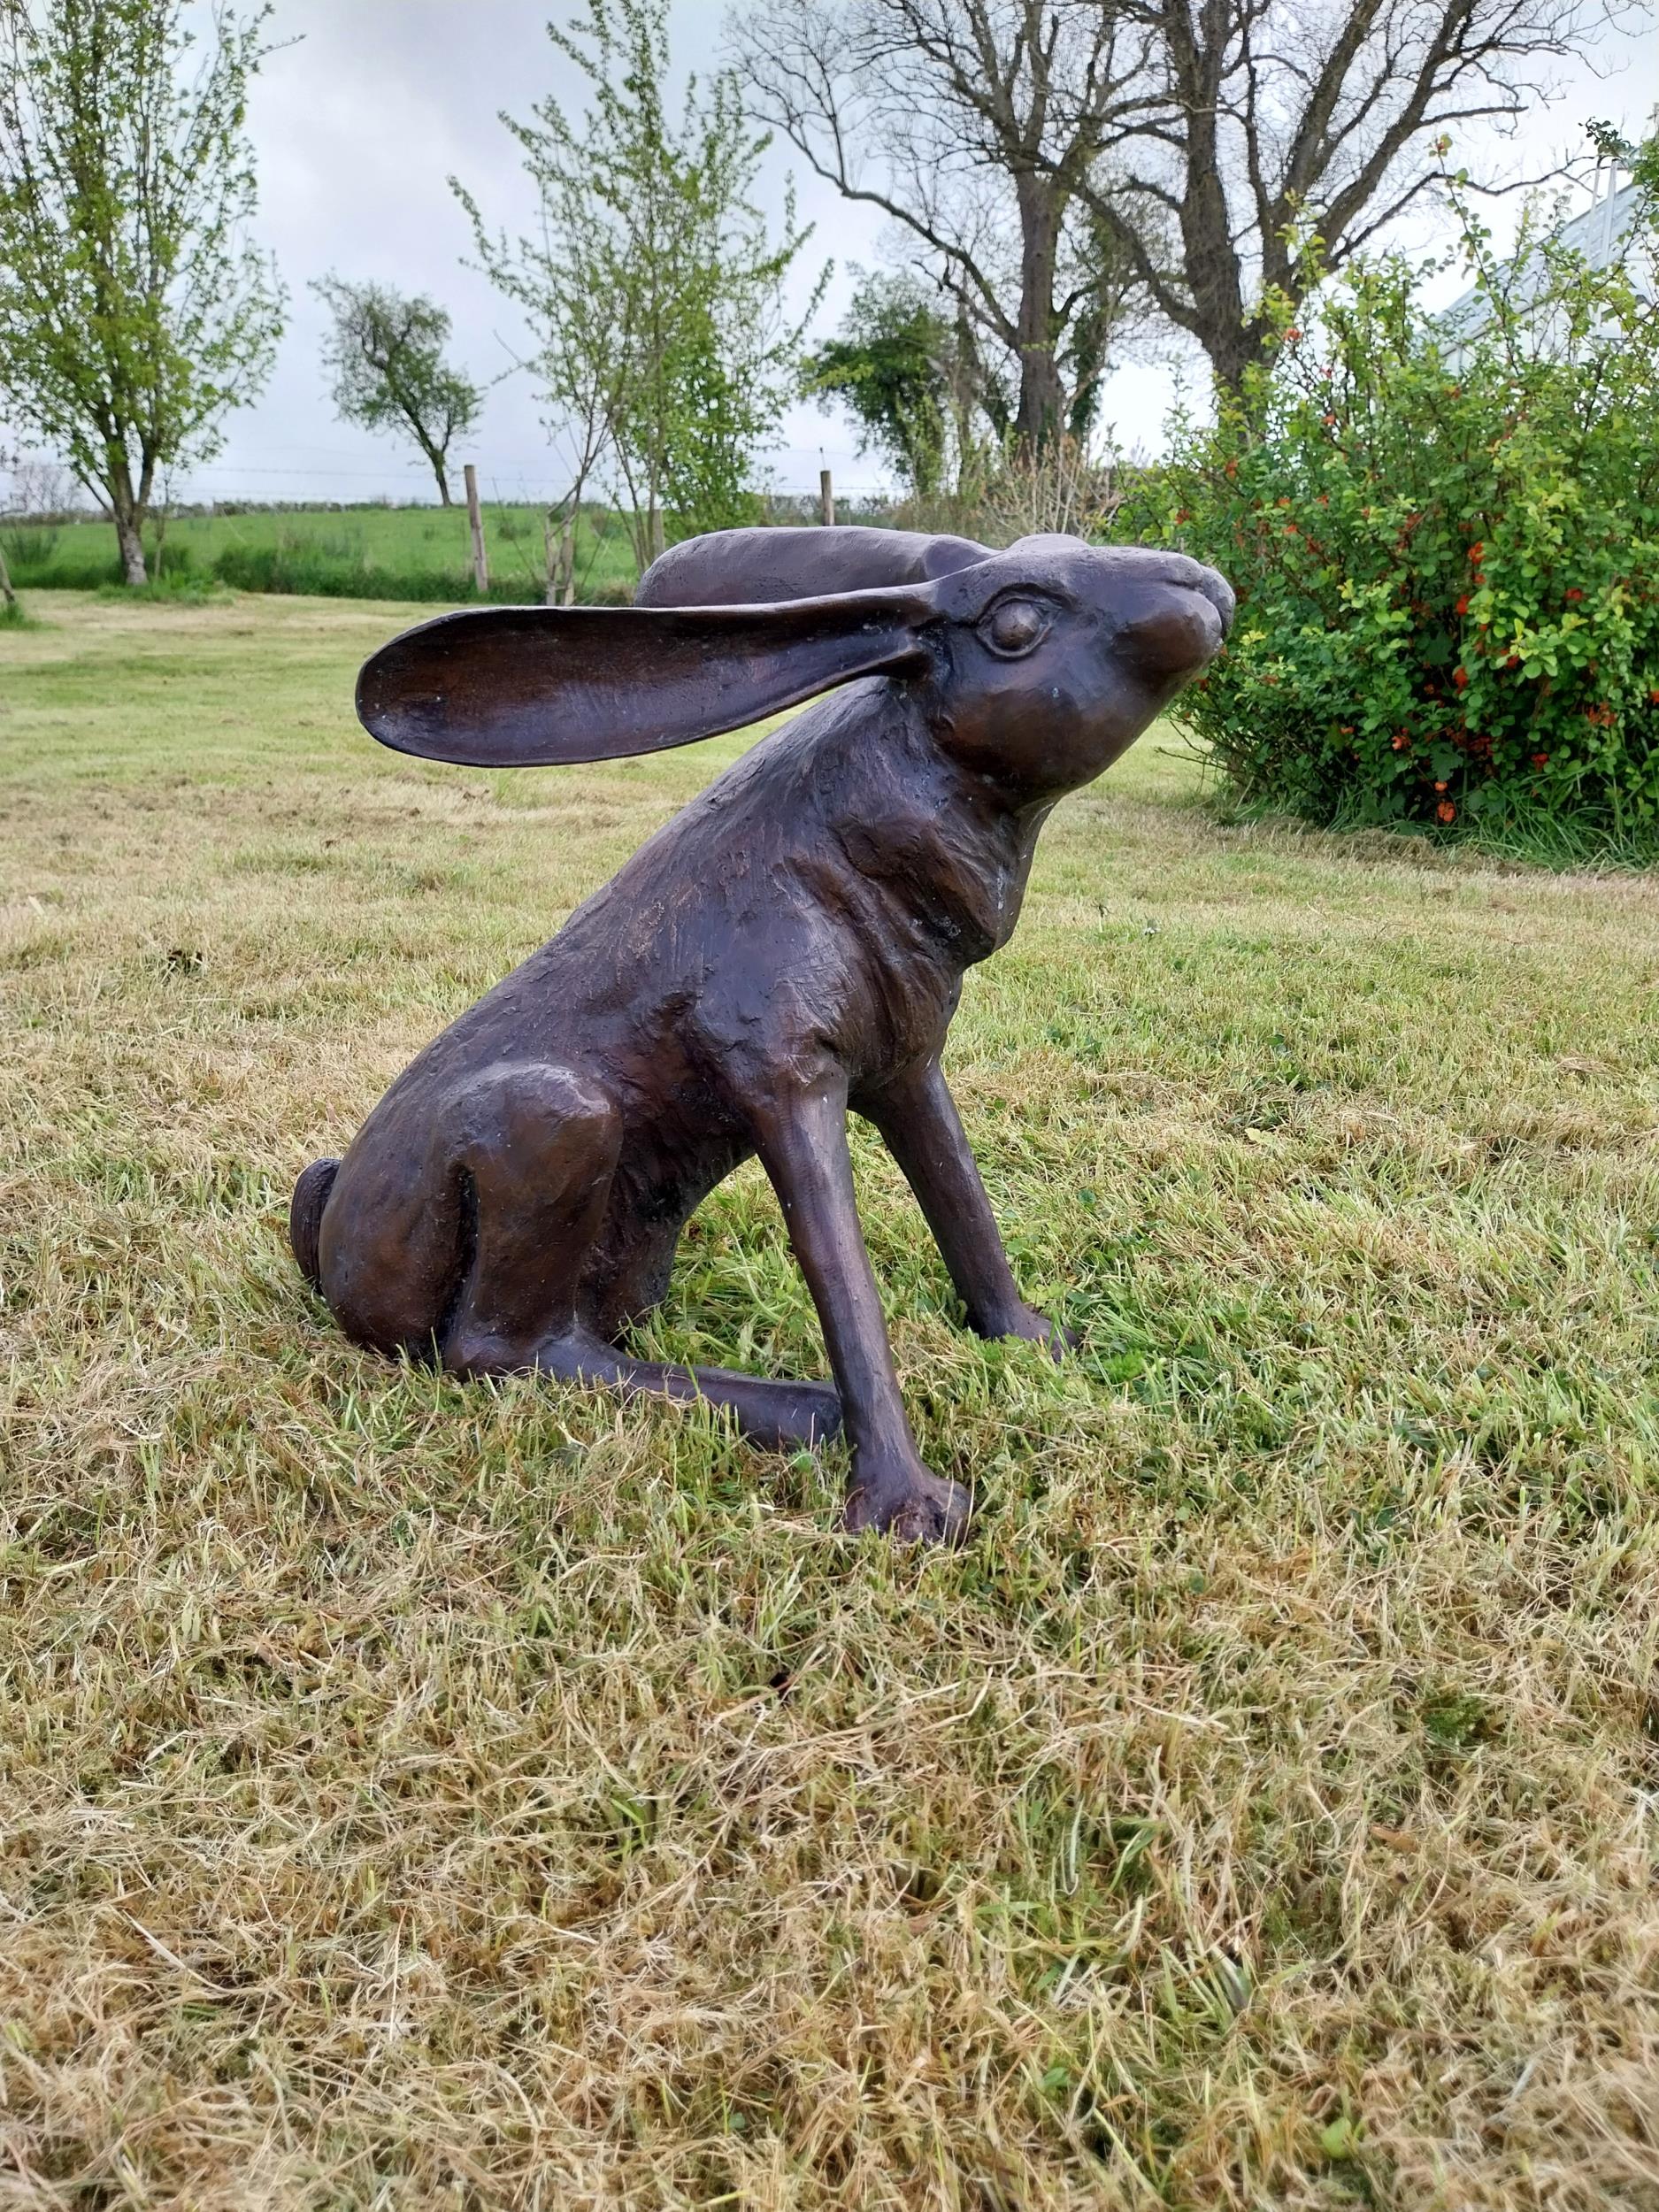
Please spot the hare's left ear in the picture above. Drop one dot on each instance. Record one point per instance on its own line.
(523, 687)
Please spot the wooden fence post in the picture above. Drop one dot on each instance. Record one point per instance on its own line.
(825, 499)
(481, 565)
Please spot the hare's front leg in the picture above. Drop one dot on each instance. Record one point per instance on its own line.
(920, 1126)
(802, 1137)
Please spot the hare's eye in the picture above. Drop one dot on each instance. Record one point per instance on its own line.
(1014, 627)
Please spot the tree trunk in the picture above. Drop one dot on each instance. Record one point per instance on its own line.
(561, 557)
(6, 592)
(1209, 254)
(1230, 355)
(1232, 348)
(130, 539)
(567, 561)
(1042, 414)
(128, 509)
(657, 539)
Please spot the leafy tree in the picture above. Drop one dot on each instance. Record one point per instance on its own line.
(650, 282)
(386, 354)
(894, 367)
(1446, 546)
(134, 313)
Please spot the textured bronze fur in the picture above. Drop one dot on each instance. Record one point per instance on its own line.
(791, 945)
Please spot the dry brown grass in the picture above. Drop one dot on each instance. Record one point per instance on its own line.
(414, 1795)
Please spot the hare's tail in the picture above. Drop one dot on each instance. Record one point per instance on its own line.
(305, 1216)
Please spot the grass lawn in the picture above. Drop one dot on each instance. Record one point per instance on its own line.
(417, 552)
(423, 1795)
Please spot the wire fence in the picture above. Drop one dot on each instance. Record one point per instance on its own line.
(36, 486)
(200, 496)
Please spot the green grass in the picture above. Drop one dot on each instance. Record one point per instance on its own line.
(419, 553)
(415, 1794)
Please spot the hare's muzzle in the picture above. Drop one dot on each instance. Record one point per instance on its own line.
(1174, 619)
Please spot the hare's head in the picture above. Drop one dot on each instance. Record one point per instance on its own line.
(1053, 656)
(1035, 667)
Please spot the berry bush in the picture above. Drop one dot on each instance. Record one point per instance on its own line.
(1446, 546)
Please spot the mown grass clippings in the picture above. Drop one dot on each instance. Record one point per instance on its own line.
(420, 1794)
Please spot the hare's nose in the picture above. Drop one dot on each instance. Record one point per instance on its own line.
(1189, 575)
(1178, 628)
(1219, 593)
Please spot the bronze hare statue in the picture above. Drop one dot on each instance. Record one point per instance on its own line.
(789, 946)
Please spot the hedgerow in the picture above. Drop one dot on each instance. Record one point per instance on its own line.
(1445, 541)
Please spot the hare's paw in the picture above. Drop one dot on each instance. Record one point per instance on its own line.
(911, 1506)
(1036, 1328)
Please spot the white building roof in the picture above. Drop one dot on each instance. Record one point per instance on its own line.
(1602, 234)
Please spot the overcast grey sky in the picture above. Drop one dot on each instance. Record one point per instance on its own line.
(363, 115)
(357, 127)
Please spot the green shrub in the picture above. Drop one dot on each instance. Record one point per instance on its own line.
(33, 546)
(1446, 551)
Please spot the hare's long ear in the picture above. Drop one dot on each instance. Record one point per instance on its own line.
(523, 687)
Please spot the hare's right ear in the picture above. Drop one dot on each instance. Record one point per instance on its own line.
(522, 686)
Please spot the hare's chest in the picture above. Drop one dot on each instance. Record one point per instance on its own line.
(939, 888)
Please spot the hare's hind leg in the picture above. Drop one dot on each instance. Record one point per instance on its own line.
(537, 1147)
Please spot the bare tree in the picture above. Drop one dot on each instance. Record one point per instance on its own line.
(1279, 123)
(40, 487)
(976, 125)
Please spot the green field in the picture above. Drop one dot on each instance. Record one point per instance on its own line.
(416, 1795)
(420, 553)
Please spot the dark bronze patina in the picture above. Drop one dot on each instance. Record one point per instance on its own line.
(792, 945)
